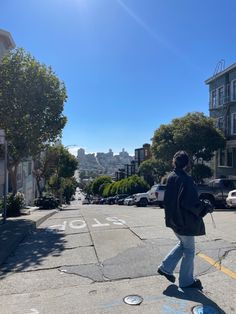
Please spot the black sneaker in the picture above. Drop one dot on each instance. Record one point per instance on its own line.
(195, 285)
(171, 278)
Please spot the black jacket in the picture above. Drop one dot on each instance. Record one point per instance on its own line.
(183, 210)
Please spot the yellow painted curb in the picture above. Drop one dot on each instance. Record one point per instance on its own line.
(217, 265)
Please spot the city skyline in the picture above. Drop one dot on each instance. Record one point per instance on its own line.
(74, 151)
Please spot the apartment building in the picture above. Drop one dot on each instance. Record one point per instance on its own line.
(222, 107)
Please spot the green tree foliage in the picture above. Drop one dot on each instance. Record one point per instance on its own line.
(55, 160)
(200, 172)
(69, 186)
(195, 133)
(99, 184)
(64, 166)
(107, 190)
(152, 170)
(31, 102)
(131, 185)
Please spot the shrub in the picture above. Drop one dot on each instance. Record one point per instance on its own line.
(47, 202)
(14, 204)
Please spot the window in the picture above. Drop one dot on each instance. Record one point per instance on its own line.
(220, 123)
(220, 96)
(226, 158)
(233, 123)
(222, 160)
(213, 99)
(234, 90)
(229, 184)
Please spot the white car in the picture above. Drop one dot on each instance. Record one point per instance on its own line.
(231, 199)
(154, 195)
(129, 200)
(85, 201)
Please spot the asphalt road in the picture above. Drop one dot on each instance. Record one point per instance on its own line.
(87, 258)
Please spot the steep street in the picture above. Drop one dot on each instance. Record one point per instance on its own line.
(87, 258)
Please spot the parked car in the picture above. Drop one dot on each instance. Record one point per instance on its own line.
(216, 191)
(85, 201)
(231, 199)
(95, 200)
(119, 199)
(129, 200)
(154, 196)
(114, 199)
(102, 201)
(110, 200)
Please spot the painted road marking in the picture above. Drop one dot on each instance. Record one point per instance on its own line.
(116, 221)
(60, 227)
(80, 224)
(33, 311)
(217, 265)
(99, 224)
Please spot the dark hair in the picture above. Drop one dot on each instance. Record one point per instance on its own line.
(180, 159)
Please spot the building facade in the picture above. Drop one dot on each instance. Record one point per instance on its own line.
(222, 107)
(142, 154)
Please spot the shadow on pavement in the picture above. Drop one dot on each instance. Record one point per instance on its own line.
(191, 295)
(33, 251)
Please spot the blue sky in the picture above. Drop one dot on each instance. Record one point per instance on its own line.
(128, 65)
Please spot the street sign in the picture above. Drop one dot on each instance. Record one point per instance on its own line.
(2, 136)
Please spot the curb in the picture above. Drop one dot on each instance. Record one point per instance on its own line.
(13, 232)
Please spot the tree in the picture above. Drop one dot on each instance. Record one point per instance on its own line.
(99, 184)
(135, 184)
(69, 188)
(152, 170)
(45, 165)
(31, 102)
(64, 167)
(200, 172)
(195, 133)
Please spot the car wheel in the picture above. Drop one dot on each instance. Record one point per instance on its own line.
(143, 202)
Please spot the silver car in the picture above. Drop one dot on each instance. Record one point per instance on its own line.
(129, 200)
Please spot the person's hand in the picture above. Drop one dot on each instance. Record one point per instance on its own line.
(207, 207)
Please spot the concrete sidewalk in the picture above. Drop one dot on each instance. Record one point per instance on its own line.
(14, 230)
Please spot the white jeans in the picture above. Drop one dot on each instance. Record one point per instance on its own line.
(185, 249)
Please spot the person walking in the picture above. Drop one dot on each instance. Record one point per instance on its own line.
(184, 214)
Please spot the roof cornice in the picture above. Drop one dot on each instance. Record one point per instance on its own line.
(8, 39)
(216, 76)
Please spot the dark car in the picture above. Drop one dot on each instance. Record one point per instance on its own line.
(110, 200)
(102, 200)
(120, 199)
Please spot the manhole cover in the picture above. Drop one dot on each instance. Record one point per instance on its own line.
(204, 309)
(133, 299)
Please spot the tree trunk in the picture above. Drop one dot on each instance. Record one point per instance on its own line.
(38, 186)
(13, 176)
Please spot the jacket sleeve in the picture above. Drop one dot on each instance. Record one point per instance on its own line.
(188, 197)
